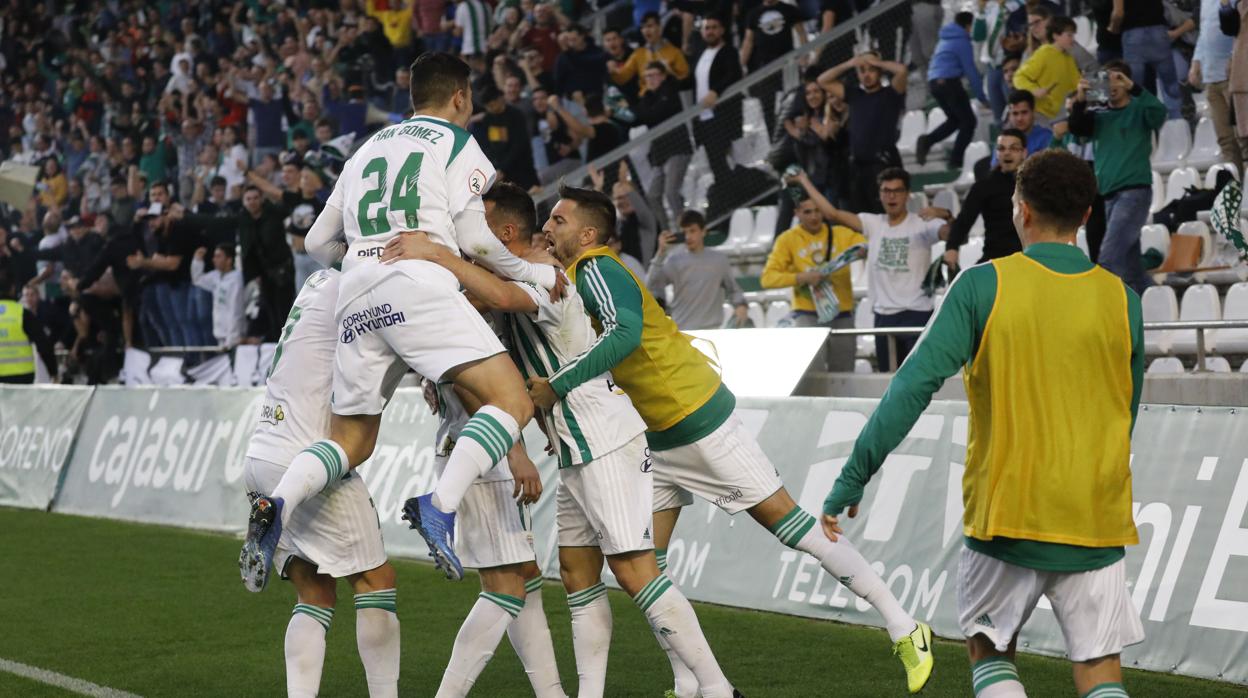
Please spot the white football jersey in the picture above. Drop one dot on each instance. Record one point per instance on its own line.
(594, 419)
(296, 413)
(416, 175)
(451, 420)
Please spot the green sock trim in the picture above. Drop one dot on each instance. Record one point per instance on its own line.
(584, 597)
(328, 455)
(986, 672)
(1107, 690)
(652, 591)
(793, 527)
(512, 605)
(661, 555)
(386, 600)
(534, 584)
(491, 435)
(324, 616)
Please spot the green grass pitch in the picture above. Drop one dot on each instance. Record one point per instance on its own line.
(161, 612)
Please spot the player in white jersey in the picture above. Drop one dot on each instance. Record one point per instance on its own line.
(606, 489)
(493, 535)
(336, 533)
(426, 174)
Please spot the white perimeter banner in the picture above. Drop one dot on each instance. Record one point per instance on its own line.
(174, 456)
(37, 428)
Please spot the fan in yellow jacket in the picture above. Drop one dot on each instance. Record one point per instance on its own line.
(1051, 73)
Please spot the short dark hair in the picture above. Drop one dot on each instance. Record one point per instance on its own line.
(594, 105)
(227, 248)
(252, 187)
(656, 65)
(1018, 96)
(163, 184)
(691, 217)
(1014, 133)
(1058, 186)
(964, 19)
(489, 92)
(1119, 66)
(515, 203)
(435, 79)
(891, 173)
(578, 29)
(651, 15)
(217, 181)
(1059, 25)
(597, 208)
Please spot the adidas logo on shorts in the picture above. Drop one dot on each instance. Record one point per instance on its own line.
(985, 621)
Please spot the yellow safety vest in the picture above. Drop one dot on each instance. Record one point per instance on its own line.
(17, 357)
(1049, 449)
(667, 378)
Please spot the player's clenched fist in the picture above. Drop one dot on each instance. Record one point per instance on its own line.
(541, 393)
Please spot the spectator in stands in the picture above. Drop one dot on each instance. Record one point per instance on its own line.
(472, 27)
(670, 153)
(991, 198)
(636, 223)
(1210, 68)
(427, 16)
(701, 278)
(792, 264)
(618, 52)
(899, 252)
(656, 49)
(810, 125)
(874, 112)
(991, 29)
(120, 243)
(1123, 138)
(541, 35)
(21, 328)
(166, 304)
(503, 135)
(266, 112)
(79, 249)
(1146, 46)
(1023, 118)
(953, 60)
(1051, 72)
(925, 18)
(225, 283)
(716, 68)
(52, 185)
(768, 36)
(560, 129)
(581, 67)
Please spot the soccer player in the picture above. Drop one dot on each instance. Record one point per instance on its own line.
(1052, 350)
(699, 445)
(494, 536)
(336, 533)
(606, 489)
(425, 174)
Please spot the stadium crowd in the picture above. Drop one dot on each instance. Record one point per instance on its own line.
(183, 150)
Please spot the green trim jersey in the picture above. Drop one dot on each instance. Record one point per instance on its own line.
(451, 420)
(295, 411)
(416, 175)
(594, 418)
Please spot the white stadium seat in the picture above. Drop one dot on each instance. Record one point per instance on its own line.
(1159, 304)
(947, 199)
(1243, 368)
(935, 118)
(1159, 193)
(1173, 143)
(863, 366)
(776, 312)
(1083, 31)
(756, 314)
(1217, 364)
(764, 232)
(917, 202)
(1155, 237)
(1200, 302)
(1178, 182)
(1165, 365)
(974, 153)
(864, 317)
(969, 254)
(1201, 231)
(740, 228)
(727, 313)
(1211, 177)
(1205, 151)
(1234, 341)
(913, 125)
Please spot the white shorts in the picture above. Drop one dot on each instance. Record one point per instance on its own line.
(1093, 608)
(607, 503)
(491, 529)
(402, 321)
(726, 467)
(337, 530)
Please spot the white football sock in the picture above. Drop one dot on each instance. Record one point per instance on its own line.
(483, 442)
(841, 559)
(996, 677)
(305, 649)
(591, 638)
(671, 616)
(530, 637)
(312, 470)
(377, 637)
(685, 684)
(477, 639)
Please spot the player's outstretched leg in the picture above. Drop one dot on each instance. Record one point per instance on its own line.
(264, 530)
(912, 641)
(377, 629)
(530, 637)
(685, 684)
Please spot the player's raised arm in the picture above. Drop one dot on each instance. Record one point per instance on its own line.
(484, 286)
(476, 241)
(326, 240)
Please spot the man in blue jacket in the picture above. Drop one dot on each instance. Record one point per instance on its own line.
(953, 60)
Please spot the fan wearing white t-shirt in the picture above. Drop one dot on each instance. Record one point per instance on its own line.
(899, 252)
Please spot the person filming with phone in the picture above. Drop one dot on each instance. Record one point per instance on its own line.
(701, 278)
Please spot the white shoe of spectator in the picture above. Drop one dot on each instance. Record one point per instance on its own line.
(134, 369)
